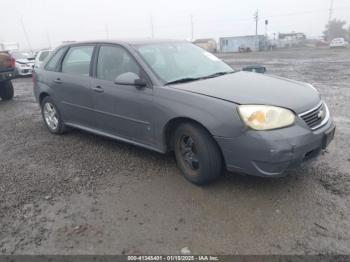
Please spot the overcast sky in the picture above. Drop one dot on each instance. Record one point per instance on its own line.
(52, 21)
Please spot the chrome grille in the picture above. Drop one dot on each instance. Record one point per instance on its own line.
(316, 117)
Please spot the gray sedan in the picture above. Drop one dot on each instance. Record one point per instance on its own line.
(174, 96)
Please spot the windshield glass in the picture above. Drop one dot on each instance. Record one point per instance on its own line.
(175, 61)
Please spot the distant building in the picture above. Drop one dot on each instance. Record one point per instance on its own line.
(208, 44)
(243, 43)
(286, 40)
(292, 36)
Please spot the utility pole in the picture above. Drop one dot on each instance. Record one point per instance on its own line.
(26, 35)
(48, 38)
(330, 11)
(192, 29)
(256, 18)
(266, 25)
(330, 19)
(152, 26)
(107, 31)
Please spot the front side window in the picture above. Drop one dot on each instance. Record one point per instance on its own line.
(77, 61)
(52, 65)
(173, 61)
(114, 61)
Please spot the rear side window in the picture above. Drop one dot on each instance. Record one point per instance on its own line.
(52, 65)
(77, 61)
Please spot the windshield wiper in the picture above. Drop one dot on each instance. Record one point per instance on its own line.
(189, 79)
(218, 74)
(183, 80)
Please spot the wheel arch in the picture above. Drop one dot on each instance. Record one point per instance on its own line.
(172, 124)
(42, 96)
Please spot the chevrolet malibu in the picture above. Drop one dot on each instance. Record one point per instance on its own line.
(174, 96)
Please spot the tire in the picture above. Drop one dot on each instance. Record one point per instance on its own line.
(52, 117)
(6, 90)
(197, 154)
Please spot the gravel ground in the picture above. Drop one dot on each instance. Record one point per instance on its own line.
(84, 194)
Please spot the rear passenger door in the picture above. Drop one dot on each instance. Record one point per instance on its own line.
(73, 85)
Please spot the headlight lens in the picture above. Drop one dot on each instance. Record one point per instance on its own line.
(261, 117)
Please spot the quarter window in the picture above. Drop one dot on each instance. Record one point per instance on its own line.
(43, 55)
(77, 60)
(114, 61)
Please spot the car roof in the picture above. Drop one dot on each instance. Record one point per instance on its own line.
(140, 41)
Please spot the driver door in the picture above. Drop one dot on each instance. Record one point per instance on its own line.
(122, 110)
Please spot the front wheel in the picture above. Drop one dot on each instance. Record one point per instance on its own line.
(6, 90)
(197, 154)
(52, 117)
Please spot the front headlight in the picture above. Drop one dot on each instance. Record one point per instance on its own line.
(261, 117)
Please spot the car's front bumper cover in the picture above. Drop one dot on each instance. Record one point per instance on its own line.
(271, 153)
(25, 71)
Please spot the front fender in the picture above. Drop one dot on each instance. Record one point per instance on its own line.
(218, 116)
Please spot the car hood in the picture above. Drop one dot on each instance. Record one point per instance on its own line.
(25, 61)
(253, 88)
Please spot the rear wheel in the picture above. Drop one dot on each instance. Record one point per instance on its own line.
(52, 117)
(6, 90)
(197, 154)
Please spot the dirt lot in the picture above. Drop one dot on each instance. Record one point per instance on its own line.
(83, 194)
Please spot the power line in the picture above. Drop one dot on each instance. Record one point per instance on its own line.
(228, 20)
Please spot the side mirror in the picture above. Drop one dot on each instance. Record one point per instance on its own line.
(130, 79)
(255, 68)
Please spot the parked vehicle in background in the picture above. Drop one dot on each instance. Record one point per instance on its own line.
(7, 72)
(41, 56)
(168, 95)
(24, 63)
(208, 44)
(338, 43)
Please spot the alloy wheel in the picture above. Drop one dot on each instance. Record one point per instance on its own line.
(189, 152)
(50, 115)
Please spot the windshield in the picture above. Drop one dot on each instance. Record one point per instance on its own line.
(18, 55)
(176, 61)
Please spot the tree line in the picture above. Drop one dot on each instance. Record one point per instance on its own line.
(336, 28)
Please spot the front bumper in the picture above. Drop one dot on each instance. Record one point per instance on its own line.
(271, 153)
(24, 71)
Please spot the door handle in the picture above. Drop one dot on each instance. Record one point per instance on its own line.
(98, 89)
(58, 81)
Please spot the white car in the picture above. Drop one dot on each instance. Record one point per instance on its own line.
(41, 56)
(24, 63)
(338, 42)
